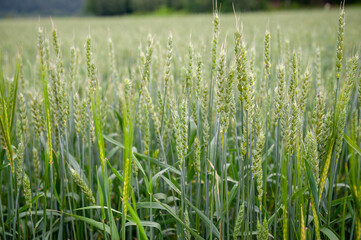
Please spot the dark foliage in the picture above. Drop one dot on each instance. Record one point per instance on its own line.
(119, 7)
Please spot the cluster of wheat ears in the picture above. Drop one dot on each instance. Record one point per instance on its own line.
(224, 148)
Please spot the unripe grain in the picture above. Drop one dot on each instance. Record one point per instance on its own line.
(82, 185)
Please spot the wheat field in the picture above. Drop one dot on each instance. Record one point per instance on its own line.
(208, 126)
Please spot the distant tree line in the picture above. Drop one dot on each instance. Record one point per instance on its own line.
(119, 7)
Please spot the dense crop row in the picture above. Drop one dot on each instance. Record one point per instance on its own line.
(182, 146)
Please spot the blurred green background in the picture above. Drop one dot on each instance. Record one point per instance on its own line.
(11, 8)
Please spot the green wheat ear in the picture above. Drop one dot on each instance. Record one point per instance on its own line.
(341, 30)
(280, 93)
(267, 65)
(262, 230)
(197, 157)
(20, 164)
(82, 185)
(23, 117)
(27, 192)
(216, 23)
(146, 64)
(36, 115)
(312, 155)
(239, 221)
(187, 222)
(257, 166)
(304, 91)
(292, 90)
(36, 164)
(152, 112)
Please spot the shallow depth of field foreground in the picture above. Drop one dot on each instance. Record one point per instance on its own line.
(182, 127)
